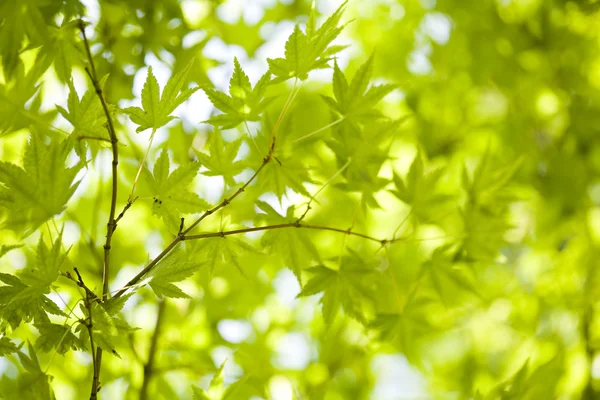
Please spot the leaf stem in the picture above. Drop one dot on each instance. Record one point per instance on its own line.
(337, 121)
(285, 108)
(323, 186)
(137, 176)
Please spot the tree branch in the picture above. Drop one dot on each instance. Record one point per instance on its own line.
(79, 282)
(181, 237)
(228, 200)
(111, 224)
(287, 225)
(89, 325)
(148, 267)
(149, 366)
(83, 137)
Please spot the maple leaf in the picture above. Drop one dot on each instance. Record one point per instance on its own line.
(176, 267)
(171, 197)
(17, 23)
(292, 245)
(353, 101)
(419, 190)
(157, 108)
(351, 287)
(59, 337)
(20, 302)
(488, 187)
(20, 101)
(223, 251)
(308, 51)
(31, 383)
(85, 114)
(484, 216)
(363, 153)
(23, 297)
(405, 328)
(5, 248)
(38, 191)
(221, 158)
(107, 326)
(447, 275)
(217, 389)
(7, 346)
(243, 103)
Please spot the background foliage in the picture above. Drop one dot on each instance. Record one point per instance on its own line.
(428, 171)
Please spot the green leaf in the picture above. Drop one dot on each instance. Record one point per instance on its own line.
(171, 197)
(20, 100)
(448, 276)
(221, 158)
(310, 51)
(59, 337)
(420, 191)
(489, 185)
(86, 115)
(353, 100)
(41, 189)
(49, 262)
(156, 110)
(218, 252)
(30, 384)
(243, 103)
(293, 245)
(107, 328)
(176, 267)
(5, 248)
(23, 298)
(351, 287)
(283, 173)
(216, 389)
(7, 346)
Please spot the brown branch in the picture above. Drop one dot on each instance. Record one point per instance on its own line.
(111, 224)
(149, 366)
(122, 214)
(81, 284)
(181, 237)
(287, 225)
(83, 137)
(89, 325)
(228, 200)
(148, 267)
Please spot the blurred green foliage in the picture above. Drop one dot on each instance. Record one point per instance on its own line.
(428, 173)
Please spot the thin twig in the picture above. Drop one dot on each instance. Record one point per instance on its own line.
(147, 269)
(149, 365)
(111, 224)
(83, 137)
(286, 106)
(337, 121)
(181, 237)
(323, 186)
(228, 200)
(80, 283)
(89, 325)
(127, 206)
(139, 172)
